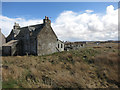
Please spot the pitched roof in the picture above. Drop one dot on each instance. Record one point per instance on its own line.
(35, 29)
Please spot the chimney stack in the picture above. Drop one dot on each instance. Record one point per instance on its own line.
(46, 20)
(16, 26)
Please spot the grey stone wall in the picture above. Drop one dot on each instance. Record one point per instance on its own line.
(2, 38)
(46, 41)
(2, 41)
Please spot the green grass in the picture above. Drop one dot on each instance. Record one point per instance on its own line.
(10, 84)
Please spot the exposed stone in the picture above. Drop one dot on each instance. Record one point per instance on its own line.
(2, 38)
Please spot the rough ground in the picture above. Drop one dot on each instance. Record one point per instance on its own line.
(90, 67)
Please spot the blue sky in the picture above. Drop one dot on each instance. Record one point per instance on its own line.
(71, 21)
(30, 10)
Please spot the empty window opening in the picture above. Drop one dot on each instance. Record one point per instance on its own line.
(58, 45)
(61, 46)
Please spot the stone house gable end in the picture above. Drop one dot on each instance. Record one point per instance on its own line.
(46, 41)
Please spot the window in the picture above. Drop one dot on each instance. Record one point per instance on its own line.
(61, 46)
(58, 45)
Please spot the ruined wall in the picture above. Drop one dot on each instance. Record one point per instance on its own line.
(2, 38)
(2, 41)
(46, 41)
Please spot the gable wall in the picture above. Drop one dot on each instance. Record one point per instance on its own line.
(46, 41)
(2, 41)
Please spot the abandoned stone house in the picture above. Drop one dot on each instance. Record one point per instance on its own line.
(37, 39)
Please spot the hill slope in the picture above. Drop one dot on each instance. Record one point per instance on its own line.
(90, 67)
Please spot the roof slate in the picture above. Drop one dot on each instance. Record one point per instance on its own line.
(35, 29)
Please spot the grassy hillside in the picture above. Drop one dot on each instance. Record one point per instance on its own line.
(90, 67)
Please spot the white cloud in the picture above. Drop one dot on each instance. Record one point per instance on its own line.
(72, 26)
(6, 24)
(89, 11)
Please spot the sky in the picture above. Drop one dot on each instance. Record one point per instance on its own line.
(71, 21)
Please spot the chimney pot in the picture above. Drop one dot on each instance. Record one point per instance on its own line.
(45, 17)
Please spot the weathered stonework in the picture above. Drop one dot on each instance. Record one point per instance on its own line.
(2, 38)
(2, 41)
(46, 41)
